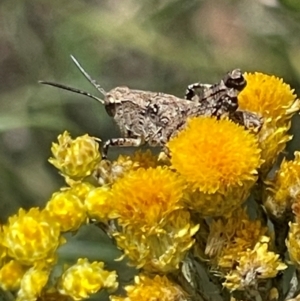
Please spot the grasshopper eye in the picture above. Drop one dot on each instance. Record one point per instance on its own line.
(109, 99)
(110, 102)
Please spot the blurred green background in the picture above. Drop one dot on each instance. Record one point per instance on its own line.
(156, 45)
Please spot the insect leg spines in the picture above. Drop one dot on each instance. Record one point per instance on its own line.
(232, 80)
(122, 142)
(196, 89)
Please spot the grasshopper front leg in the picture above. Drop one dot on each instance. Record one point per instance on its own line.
(122, 142)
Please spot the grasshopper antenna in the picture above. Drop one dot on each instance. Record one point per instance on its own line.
(60, 86)
(88, 77)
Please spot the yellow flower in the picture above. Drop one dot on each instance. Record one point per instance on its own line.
(98, 204)
(85, 278)
(162, 248)
(75, 158)
(219, 160)
(10, 275)
(80, 189)
(253, 265)
(272, 141)
(293, 243)
(284, 189)
(32, 283)
(147, 289)
(154, 230)
(228, 237)
(32, 236)
(276, 102)
(269, 96)
(108, 172)
(144, 197)
(67, 210)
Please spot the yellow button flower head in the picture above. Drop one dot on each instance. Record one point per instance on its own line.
(268, 96)
(80, 189)
(10, 275)
(108, 172)
(155, 232)
(145, 197)
(147, 289)
(67, 210)
(276, 102)
(75, 158)
(85, 278)
(253, 265)
(219, 160)
(32, 236)
(98, 204)
(228, 237)
(162, 248)
(32, 284)
(284, 189)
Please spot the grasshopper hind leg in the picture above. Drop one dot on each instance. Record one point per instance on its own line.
(196, 91)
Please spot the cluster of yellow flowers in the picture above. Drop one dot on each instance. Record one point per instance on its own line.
(164, 214)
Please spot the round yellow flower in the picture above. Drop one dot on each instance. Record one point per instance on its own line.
(162, 248)
(272, 141)
(269, 96)
(144, 197)
(32, 283)
(228, 237)
(158, 288)
(75, 158)
(236, 235)
(276, 102)
(219, 161)
(80, 189)
(67, 210)
(213, 154)
(284, 189)
(253, 265)
(154, 230)
(98, 204)
(32, 236)
(85, 278)
(11, 275)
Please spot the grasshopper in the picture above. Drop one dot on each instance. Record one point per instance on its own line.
(153, 118)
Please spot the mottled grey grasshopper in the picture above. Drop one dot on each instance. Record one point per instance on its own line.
(154, 117)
